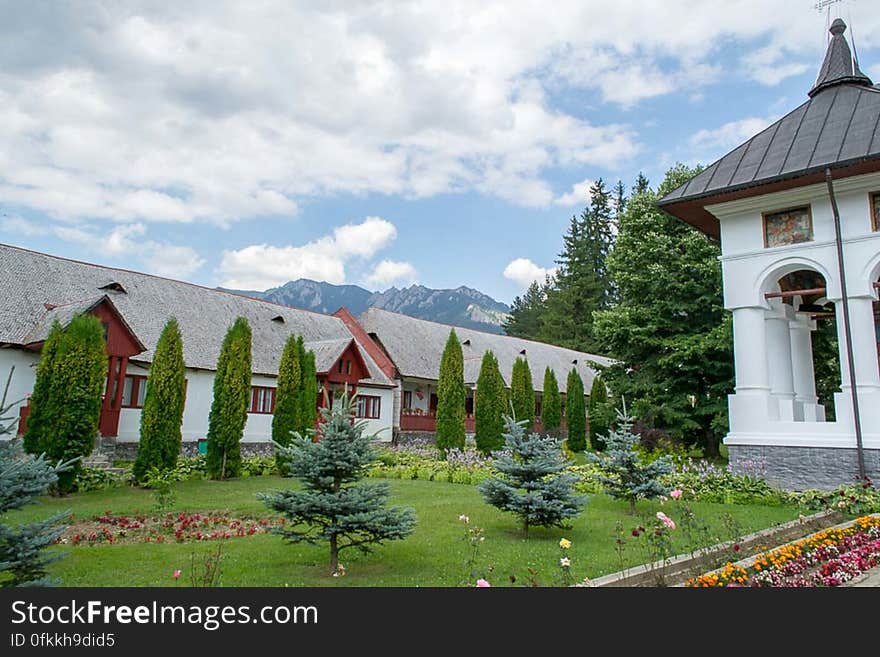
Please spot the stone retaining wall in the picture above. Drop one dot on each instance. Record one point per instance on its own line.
(128, 451)
(800, 468)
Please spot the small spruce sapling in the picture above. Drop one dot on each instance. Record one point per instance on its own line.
(332, 507)
(623, 474)
(533, 484)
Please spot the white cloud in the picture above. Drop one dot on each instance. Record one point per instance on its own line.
(524, 272)
(730, 134)
(389, 272)
(261, 266)
(153, 112)
(578, 196)
(19, 226)
(155, 257)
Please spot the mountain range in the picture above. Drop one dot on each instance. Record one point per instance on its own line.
(462, 306)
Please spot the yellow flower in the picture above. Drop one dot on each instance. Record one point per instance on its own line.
(564, 543)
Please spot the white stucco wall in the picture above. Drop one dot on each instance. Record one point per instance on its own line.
(25, 364)
(759, 413)
(414, 386)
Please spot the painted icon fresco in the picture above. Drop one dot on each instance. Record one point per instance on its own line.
(791, 226)
(875, 210)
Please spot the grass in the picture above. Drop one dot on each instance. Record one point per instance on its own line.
(435, 555)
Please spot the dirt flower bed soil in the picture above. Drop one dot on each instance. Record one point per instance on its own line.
(165, 527)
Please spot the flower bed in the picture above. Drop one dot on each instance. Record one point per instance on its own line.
(167, 527)
(827, 558)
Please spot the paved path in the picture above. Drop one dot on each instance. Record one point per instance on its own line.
(870, 578)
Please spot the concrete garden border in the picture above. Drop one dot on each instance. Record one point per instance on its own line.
(676, 570)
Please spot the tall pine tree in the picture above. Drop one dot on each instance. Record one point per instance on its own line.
(551, 404)
(522, 393)
(232, 392)
(451, 396)
(526, 317)
(333, 508)
(669, 334)
(575, 412)
(162, 415)
(490, 401)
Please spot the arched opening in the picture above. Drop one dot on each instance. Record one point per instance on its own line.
(802, 347)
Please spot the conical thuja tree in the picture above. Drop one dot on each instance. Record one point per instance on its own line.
(575, 412)
(551, 404)
(623, 473)
(490, 400)
(288, 394)
(309, 412)
(522, 393)
(43, 406)
(76, 386)
(533, 483)
(23, 478)
(451, 396)
(332, 507)
(162, 414)
(232, 389)
(600, 410)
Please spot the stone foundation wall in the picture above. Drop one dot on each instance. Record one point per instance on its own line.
(799, 468)
(128, 451)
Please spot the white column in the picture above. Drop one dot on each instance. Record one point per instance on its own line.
(751, 408)
(779, 357)
(806, 407)
(750, 351)
(864, 339)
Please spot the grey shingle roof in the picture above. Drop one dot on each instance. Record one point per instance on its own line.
(62, 314)
(327, 352)
(416, 346)
(836, 127)
(29, 280)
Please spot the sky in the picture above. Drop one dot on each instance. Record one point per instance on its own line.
(245, 144)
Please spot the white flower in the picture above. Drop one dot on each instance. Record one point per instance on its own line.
(565, 562)
(464, 519)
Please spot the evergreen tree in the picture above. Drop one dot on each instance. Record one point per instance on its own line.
(526, 317)
(575, 412)
(669, 334)
(623, 473)
(288, 395)
(162, 415)
(522, 393)
(533, 483)
(331, 507)
(582, 282)
(600, 420)
(642, 186)
(75, 394)
(490, 401)
(551, 404)
(232, 390)
(451, 396)
(309, 412)
(23, 478)
(44, 407)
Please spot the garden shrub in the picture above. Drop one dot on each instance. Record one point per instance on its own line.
(90, 479)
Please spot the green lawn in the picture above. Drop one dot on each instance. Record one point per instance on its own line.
(434, 555)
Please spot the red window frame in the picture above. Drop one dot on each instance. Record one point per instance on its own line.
(137, 381)
(258, 408)
(369, 407)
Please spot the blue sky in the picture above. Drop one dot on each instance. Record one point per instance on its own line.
(372, 143)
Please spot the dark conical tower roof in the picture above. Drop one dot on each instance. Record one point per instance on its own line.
(839, 66)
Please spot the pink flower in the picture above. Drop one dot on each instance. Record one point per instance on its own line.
(666, 520)
(675, 494)
(177, 573)
(483, 584)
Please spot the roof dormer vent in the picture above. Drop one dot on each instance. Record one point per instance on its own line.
(278, 319)
(114, 286)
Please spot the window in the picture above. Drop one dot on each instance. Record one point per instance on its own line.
(875, 211)
(262, 400)
(791, 226)
(339, 366)
(134, 390)
(369, 407)
(407, 400)
(348, 367)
